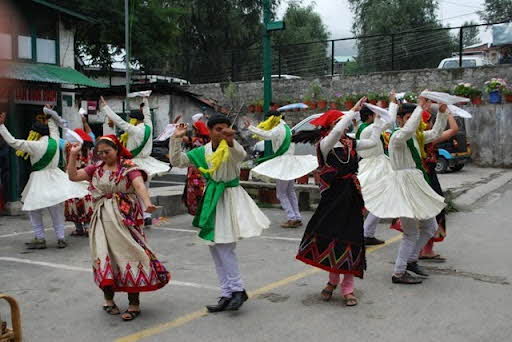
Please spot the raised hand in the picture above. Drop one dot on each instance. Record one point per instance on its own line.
(359, 104)
(181, 130)
(3, 115)
(75, 149)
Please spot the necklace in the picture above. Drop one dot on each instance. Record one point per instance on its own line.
(349, 148)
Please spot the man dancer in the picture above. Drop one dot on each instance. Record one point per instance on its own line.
(140, 141)
(227, 213)
(405, 193)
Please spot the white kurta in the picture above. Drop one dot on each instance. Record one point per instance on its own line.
(404, 192)
(287, 166)
(375, 163)
(49, 186)
(135, 138)
(237, 215)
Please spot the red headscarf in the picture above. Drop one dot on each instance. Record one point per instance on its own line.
(201, 128)
(425, 116)
(327, 119)
(122, 152)
(83, 135)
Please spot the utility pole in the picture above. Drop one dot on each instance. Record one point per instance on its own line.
(127, 49)
(269, 26)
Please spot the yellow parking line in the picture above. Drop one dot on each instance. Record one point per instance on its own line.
(201, 313)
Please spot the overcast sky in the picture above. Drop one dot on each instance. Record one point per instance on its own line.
(337, 16)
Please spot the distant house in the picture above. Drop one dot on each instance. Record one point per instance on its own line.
(37, 66)
(340, 62)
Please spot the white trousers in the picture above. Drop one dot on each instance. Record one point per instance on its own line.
(285, 192)
(226, 265)
(370, 225)
(415, 237)
(57, 214)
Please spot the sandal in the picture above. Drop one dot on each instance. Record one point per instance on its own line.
(111, 309)
(326, 293)
(350, 299)
(132, 315)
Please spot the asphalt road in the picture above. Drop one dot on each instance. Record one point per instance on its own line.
(469, 298)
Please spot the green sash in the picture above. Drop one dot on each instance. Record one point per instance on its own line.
(416, 157)
(282, 149)
(147, 133)
(205, 215)
(47, 156)
(361, 129)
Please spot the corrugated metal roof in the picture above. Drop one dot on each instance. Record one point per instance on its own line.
(45, 73)
(65, 10)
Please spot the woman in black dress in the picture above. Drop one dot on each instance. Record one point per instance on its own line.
(333, 240)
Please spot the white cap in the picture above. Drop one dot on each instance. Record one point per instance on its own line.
(197, 117)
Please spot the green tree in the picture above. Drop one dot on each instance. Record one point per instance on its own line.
(303, 24)
(496, 10)
(470, 35)
(411, 50)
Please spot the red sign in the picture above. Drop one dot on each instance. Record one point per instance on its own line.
(31, 95)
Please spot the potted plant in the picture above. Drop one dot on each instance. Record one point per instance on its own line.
(340, 101)
(322, 102)
(251, 108)
(309, 101)
(259, 106)
(476, 96)
(494, 87)
(349, 101)
(373, 98)
(507, 92)
(411, 97)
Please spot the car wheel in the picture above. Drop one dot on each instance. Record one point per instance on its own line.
(442, 165)
(457, 167)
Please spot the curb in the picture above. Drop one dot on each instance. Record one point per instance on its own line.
(466, 200)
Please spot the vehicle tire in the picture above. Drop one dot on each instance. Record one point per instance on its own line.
(442, 165)
(457, 167)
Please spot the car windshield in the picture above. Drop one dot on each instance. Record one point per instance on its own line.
(455, 63)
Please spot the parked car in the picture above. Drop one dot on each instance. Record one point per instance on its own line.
(284, 77)
(467, 62)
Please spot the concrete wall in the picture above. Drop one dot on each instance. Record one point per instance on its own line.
(490, 135)
(411, 80)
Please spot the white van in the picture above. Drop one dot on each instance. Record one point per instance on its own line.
(467, 62)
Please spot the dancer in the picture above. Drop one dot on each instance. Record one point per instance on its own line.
(194, 186)
(333, 240)
(139, 141)
(283, 165)
(121, 259)
(226, 213)
(405, 193)
(79, 210)
(48, 186)
(431, 150)
(373, 165)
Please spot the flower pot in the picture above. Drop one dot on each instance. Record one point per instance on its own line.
(244, 174)
(251, 108)
(508, 98)
(258, 108)
(333, 105)
(476, 100)
(312, 105)
(321, 104)
(303, 180)
(349, 105)
(495, 97)
(274, 107)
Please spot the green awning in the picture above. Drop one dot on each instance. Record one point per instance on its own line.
(46, 73)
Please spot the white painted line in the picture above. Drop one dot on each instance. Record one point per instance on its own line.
(88, 270)
(195, 231)
(28, 232)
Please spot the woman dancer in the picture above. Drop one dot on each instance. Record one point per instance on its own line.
(121, 259)
(333, 240)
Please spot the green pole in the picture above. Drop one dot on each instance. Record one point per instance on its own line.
(267, 58)
(267, 69)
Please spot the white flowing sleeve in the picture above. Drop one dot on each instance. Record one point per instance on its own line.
(237, 152)
(327, 143)
(147, 112)
(267, 135)
(407, 132)
(19, 144)
(118, 121)
(438, 129)
(176, 156)
(377, 128)
(54, 130)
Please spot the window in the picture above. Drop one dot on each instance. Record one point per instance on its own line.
(25, 47)
(5, 38)
(46, 52)
(466, 63)
(46, 28)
